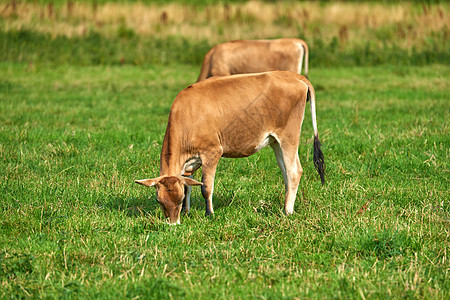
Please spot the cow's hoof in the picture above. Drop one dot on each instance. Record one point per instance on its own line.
(289, 212)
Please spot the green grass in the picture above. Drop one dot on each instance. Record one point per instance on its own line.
(74, 225)
(131, 49)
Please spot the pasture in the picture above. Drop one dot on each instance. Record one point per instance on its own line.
(78, 126)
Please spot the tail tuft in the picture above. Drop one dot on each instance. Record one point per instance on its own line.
(319, 162)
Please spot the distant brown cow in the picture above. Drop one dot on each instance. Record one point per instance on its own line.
(233, 116)
(239, 57)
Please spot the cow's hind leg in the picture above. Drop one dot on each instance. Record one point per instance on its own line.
(289, 163)
(209, 166)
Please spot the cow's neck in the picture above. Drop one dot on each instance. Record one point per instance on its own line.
(172, 156)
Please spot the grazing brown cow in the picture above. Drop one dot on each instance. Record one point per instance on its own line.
(239, 57)
(233, 116)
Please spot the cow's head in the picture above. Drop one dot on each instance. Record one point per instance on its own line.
(170, 194)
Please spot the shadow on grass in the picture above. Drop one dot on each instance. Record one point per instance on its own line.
(220, 201)
(137, 206)
(265, 204)
(133, 207)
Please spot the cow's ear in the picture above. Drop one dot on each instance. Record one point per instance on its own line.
(190, 181)
(148, 182)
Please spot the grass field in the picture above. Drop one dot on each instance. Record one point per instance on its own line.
(83, 116)
(73, 223)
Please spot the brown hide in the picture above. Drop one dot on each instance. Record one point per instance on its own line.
(253, 56)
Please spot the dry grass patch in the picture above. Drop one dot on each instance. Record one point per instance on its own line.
(350, 22)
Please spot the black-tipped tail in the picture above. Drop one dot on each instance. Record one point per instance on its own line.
(319, 162)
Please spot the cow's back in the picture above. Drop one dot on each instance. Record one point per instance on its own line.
(240, 109)
(240, 57)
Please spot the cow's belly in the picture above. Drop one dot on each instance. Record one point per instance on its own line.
(245, 147)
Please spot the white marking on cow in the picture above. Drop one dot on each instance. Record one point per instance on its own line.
(192, 164)
(267, 140)
(300, 57)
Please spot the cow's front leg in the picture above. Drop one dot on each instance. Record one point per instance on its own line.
(187, 197)
(209, 166)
